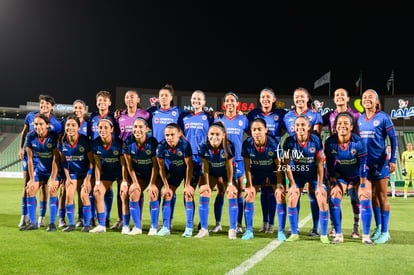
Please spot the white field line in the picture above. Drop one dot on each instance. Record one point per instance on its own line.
(261, 254)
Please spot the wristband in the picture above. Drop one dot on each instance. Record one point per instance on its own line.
(124, 183)
(90, 171)
(230, 183)
(97, 182)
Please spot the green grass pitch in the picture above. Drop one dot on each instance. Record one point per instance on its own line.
(40, 252)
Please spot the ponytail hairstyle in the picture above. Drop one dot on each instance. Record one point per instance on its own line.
(351, 119)
(170, 88)
(310, 103)
(225, 143)
(378, 104)
(138, 95)
(174, 126)
(42, 116)
(270, 90)
(76, 119)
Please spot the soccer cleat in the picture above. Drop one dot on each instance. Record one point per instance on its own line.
(264, 227)
(232, 234)
(70, 228)
(29, 226)
(376, 234)
(79, 223)
(383, 238)
(117, 225)
(51, 227)
(202, 233)
(125, 230)
(62, 223)
(281, 236)
(248, 235)
(239, 229)
(355, 235)
(188, 233)
(216, 228)
(98, 229)
(135, 231)
(270, 229)
(22, 222)
(367, 241)
(164, 231)
(324, 239)
(293, 238)
(85, 229)
(339, 238)
(313, 233)
(332, 233)
(41, 221)
(152, 231)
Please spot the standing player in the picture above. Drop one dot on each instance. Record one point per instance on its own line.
(46, 104)
(341, 100)
(42, 158)
(375, 126)
(305, 165)
(236, 125)
(217, 163)
(139, 152)
(175, 165)
(346, 156)
(261, 162)
(274, 120)
(304, 106)
(407, 162)
(77, 161)
(103, 102)
(109, 166)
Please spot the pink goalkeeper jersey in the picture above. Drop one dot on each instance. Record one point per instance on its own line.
(126, 122)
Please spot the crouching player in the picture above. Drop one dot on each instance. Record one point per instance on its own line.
(139, 151)
(260, 154)
(346, 157)
(305, 165)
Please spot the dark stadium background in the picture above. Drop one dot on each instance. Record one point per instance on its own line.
(73, 49)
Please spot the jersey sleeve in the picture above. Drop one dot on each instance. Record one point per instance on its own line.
(160, 151)
(245, 149)
(389, 127)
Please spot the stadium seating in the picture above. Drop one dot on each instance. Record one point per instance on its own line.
(9, 161)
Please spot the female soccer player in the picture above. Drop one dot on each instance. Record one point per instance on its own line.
(261, 162)
(42, 158)
(175, 164)
(236, 125)
(217, 163)
(375, 126)
(303, 159)
(77, 161)
(407, 162)
(304, 106)
(346, 156)
(341, 100)
(109, 166)
(46, 104)
(139, 152)
(274, 120)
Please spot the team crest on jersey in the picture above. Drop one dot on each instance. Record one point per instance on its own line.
(240, 123)
(310, 118)
(376, 123)
(353, 152)
(122, 129)
(271, 154)
(156, 120)
(276, 117)
(49, 145)
(312, 149)
(84, 129)
(148, 152)
(292, 128)
(174, 113)
(187, 125)
(179, 153)
(223, 156)
(116, 152)
(81, 149)
(204, 117)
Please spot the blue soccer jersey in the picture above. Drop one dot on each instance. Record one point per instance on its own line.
(374, 132)
(303, 158)
(42, 152)
(315, 118)
(273, 119)
(160, 118)
(141, 156)
(217, 159)
(346, 163)
(54, 124)
(76, 159)
(235, 128)
(110, 158)
(175, 165)
(93, 124)
(84, 128)
(195, 128)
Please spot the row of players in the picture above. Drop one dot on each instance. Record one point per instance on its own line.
(212, 152)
